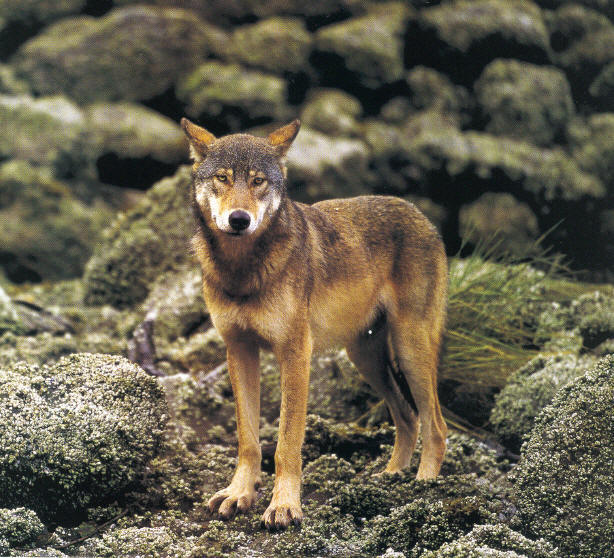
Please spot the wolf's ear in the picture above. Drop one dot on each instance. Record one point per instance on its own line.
(282, 138)
(199, 138)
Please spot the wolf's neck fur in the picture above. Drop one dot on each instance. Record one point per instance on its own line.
(243, 266)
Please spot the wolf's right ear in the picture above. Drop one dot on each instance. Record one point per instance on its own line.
(282, 138)
(199, 138)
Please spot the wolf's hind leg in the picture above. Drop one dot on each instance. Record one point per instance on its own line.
(369, 354)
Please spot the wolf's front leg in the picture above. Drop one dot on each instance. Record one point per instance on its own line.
(294, 359)
(244, 370)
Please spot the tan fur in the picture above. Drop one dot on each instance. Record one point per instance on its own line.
(368, 273)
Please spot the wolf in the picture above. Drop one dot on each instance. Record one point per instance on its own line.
(367, 273)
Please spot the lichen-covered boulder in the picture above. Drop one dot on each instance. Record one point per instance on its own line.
(462, 37)
(592, 145)
(21, 527)
(132, 53)
(46, 232)
(522, 100)
(277, 45)
(76, 433)
(321, 166)
(9, 317)
(45, 131)
(141, 244)
(500, 216)
(231, 97)
(494, 541)
(10, 84)
(593, 314)
(602, 88)
(332, 112)
(563, 482)
(528, 391)
(368, 50)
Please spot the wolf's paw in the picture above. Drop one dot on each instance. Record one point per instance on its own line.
(228, 502)
(281, 515)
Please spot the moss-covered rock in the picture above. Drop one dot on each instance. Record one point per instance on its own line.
(10, 84)
(232, 97)
(602, 88)
(563, 482)
(132, 53)
(523, 100)
(20, 527)
(367, 49)
(43, 131)
(151, 238)
(494, 541)
(9, 317)
(277, 45)
(592, 144)
(500, 216)
(76, 433)
(528, 391)
(462, 37)
(332, 112)
(320, 166)
(45, 231)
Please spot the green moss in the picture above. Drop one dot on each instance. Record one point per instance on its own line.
(602, 88)
(131, 53)
(277, 45)
(141, 244)
(20, 527)
(10, 84)
(563, 482)
(523, 100)
(9, 318)
(76, 432)
(331, 112)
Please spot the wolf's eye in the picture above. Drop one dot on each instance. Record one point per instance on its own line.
(221, 177)
(258, 181)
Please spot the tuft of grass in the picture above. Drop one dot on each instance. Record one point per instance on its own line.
(490, 296)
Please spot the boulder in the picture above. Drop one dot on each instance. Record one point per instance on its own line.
(461, 37)
(141, 244)
(9, 316)
(500, 218)
(332, 112)
(76, 433)
(525, 101)
(602, 88)
(367, 50)
(563, 482)
(132, 53)
(10, 84)
(46, 232)
(278, 45)
(231, 97)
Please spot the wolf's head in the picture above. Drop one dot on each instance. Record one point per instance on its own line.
(239, 180)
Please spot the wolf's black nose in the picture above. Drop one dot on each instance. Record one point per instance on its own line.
(239, 220)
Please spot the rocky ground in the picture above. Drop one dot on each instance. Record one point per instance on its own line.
(494, 117)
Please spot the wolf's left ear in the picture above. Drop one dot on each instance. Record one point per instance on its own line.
(199, 138)
(282, 138)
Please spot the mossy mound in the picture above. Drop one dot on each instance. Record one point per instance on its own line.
(76, 433)
(9, 317)
(563, 482)
(332, 112)
(524, 101)
(119, 56)
(20, 527)
(528, 391)
(142, 244)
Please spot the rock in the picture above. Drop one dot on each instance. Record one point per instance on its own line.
(501, 217)
(231, 97)
(20, 527)
(46, 131)
(278, 45)
(602, 89)
(494, 541)
(528, 391)
(367, 50)
(332, 112)
(132, 53)
(593, 314)
(583, 43)
(10, 84)
(9, 317)
(141, 244)
(320, 166)
(76, 433)
(45, 231)
(563, 482)
(524, 101)
(461, 37)
(592, 144)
